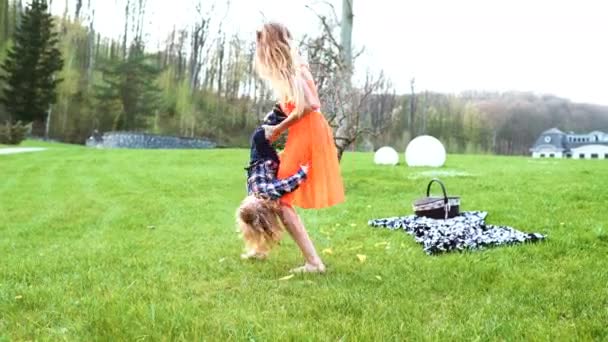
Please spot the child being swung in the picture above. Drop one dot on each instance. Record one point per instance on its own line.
(258, 214)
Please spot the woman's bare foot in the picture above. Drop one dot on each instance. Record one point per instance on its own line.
(254, 255)
(309, 268)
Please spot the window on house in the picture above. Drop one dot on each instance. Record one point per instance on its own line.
(594, 156)
(568, 155)
(552, 155)
(542, 155)
(605, 155)
(581, 155)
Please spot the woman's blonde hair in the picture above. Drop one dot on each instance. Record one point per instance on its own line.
(278, 62)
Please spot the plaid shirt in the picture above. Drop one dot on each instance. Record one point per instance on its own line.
(262, 180)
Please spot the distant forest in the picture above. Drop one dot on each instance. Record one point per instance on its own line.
(201, 82)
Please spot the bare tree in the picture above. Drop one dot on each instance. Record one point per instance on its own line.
(200, 33)
(181, 53)
(91, 46)
(78, 8)
(332, 67)
(221, 49)
(169, 49)
(126, 30)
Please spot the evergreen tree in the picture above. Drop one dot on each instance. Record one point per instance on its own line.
(131, 82)
(30, 67)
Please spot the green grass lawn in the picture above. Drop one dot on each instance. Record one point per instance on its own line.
(141, 245)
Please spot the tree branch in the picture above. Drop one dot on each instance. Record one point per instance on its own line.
(327, 27)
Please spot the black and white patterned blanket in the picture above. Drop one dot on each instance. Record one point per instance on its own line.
(466, 231)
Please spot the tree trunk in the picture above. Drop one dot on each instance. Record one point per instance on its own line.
(18, 13)
(91, 43)
(194, 57)
(220, 66)
(424, 110)
(125, 34)
(199, 39)
(48, 122)
(346, 31)
(412, 110)
(78, 8)
(6, 34)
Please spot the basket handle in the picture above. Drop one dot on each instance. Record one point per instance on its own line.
(428, 189)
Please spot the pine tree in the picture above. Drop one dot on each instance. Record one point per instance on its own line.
(30, 67)
(132, 82)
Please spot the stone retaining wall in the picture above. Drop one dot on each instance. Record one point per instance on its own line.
(147, 141)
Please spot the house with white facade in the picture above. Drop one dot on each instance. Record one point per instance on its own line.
(557, 144)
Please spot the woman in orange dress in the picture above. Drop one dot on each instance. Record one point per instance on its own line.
(309, 140)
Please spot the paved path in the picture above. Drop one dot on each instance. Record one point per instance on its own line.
(15, 150)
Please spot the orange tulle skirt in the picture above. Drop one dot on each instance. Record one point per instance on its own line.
(310, 141)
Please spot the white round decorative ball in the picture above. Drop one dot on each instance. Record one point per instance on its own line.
(386, 156)
(425, 150)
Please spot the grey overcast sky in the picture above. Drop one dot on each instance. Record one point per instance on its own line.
(557, 47)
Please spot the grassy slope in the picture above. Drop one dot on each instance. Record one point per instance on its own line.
(80, 261)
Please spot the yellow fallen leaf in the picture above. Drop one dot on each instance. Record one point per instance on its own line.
(328, 251)
(18, 297)
(381, 244)
(378, 277)
(287, 277)
(337, 225)
(355, 248)
(353, 224)
(369, 205)
(362, 257)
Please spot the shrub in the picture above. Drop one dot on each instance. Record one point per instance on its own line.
(12, 134)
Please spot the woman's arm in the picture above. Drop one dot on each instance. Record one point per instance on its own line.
(311, 104)
(292, 119)
(273, 132)
(276, 188)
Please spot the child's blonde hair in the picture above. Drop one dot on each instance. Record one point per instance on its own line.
(258, 221)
